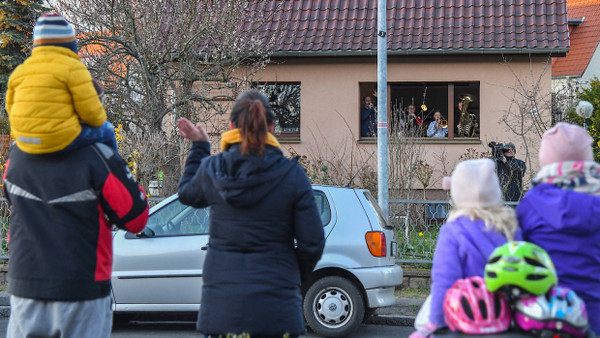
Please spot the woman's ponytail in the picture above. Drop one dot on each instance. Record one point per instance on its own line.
(252, 114)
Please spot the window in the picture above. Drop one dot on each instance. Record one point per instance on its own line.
(177, 219)
(284, 98)
(430, 109)
(323, 206)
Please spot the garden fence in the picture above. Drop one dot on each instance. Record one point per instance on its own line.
(418, 223)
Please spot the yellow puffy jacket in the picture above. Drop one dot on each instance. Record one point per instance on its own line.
(46, 97)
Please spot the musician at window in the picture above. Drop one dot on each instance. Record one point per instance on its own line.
(438, 127)
(468, 125)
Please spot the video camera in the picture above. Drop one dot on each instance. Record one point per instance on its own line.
(498, 150)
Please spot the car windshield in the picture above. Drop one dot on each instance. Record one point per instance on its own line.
(377, 210)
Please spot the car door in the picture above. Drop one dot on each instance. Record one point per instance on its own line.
(161, 268)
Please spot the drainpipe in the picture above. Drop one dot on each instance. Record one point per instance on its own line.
(382, 124)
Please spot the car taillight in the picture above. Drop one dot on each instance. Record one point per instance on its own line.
(376, 243)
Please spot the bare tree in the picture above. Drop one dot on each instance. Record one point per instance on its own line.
(526, 116)
(180, 57)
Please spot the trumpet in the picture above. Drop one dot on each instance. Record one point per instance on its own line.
(444, 124)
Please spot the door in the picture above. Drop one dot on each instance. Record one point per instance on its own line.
(161, 268)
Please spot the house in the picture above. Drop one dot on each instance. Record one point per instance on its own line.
(582, 62)
(489, 53)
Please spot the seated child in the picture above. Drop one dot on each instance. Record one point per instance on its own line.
(561, 213)
(50, 98)
(477, 224)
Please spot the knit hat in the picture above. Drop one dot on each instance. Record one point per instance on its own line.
(54, 30)
(565, 142)
(474, 184)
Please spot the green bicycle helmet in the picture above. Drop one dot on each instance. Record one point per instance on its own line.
(517, 266)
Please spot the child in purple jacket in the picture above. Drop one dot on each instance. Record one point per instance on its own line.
(478, 223)
(561, 213)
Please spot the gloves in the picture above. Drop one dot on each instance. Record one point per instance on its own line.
(424, 332)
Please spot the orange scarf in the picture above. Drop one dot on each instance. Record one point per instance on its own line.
(235, 136)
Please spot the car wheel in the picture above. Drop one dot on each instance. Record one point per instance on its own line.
(333, 307)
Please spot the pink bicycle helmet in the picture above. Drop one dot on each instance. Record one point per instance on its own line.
(470, 308)
(560, 309)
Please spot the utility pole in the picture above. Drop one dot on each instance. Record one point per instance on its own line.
(382, 123)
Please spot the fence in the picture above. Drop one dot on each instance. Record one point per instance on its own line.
(418, 224)
(4, 217)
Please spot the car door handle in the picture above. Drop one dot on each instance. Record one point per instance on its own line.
(204, 248)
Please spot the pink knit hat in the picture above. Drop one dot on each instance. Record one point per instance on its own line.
(565, 142)
(474, 184)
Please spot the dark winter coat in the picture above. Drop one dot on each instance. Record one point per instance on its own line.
(63, 205)
(253, 270)
(566, 224)
(511, 175)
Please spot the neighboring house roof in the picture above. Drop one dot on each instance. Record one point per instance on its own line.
(349, 27)
(584, 38)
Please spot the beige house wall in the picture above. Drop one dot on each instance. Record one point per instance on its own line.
(330, 97)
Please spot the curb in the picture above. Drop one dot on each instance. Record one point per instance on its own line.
(391, 320)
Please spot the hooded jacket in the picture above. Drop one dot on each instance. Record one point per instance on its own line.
(260, 207)
(567, 225)
(46, 97)
(462, 250)
(63, 206)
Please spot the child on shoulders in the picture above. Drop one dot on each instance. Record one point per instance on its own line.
(50, 99)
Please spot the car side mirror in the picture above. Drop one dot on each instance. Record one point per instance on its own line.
(147, 232)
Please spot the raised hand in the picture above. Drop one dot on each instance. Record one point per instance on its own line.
(188, 130)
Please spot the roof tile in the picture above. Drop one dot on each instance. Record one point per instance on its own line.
(422, 25)
(584, 38)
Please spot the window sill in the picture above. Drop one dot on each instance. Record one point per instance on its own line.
(427, 140)
(288, 139)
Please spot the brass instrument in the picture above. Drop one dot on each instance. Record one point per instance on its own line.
(467, 121)
(444, 123)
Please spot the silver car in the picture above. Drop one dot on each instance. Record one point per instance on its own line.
(160, 269)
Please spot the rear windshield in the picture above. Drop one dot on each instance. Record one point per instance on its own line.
(377, 210)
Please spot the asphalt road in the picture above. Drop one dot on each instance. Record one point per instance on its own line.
(188, 330)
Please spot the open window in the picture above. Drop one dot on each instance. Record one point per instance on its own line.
(440, 110)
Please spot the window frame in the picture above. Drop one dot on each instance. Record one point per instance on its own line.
(286, 137)
(367, 88)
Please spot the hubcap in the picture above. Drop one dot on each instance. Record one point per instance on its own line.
(332, 307)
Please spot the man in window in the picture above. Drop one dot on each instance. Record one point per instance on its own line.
(368, 118)
(410, 122)
(471, 126)
(436, 128)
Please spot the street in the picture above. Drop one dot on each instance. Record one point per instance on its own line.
(185, 329)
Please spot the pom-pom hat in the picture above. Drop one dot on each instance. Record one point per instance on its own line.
(53, 29)
(565, 142)
(474, 184)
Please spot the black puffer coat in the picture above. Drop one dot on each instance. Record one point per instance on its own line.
(252, 272)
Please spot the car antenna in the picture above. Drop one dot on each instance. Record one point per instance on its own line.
(353, 176)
